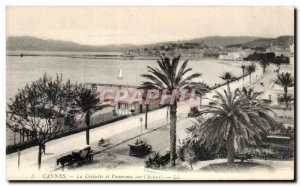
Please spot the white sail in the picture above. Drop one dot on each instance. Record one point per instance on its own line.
(120, 74)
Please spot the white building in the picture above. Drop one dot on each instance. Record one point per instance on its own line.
(282, 51)
(236, 56)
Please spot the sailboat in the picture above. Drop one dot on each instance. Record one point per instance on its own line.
(120, 74)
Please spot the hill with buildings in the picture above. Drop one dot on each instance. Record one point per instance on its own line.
(218, 46)
(217, 41)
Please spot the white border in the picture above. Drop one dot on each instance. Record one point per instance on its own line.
(5, 3)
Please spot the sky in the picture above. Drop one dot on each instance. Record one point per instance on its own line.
(144, 25)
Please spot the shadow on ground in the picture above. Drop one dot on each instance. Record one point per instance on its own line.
(238, 166)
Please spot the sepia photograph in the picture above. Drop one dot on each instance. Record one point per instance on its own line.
(98, 93)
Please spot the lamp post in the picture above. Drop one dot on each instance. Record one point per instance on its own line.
(15, 134)
(141, 120)
(18, 146)
(146, 102)
(146, 114)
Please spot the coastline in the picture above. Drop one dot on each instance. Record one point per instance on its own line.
(104, 56)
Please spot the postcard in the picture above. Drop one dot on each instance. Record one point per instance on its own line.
(150, 93)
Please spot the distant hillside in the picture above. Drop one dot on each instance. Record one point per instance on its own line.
(216, 41)
(283, 41)
(35, 44)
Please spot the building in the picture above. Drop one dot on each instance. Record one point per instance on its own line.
(236, 55)
(281, 50)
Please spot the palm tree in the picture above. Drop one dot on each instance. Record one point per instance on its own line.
(264, 64)
(250, 69)
(169, 77)
(287, 100)
(278, 67)
(87, 100)
(285, 80)
(250, 94)
(202, 89)
(228, 77)
(232, 118)
(243, 67)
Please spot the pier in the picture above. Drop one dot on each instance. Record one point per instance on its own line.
(111, 85)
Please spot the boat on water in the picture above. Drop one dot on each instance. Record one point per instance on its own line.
(120, 76)
(129, 55)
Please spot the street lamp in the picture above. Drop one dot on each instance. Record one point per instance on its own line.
(146, 114)
(141, 120)
(17, 127)
(147, 107)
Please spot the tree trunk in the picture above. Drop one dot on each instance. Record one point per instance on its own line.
(201, 101)
(285, 92)
(173, 118)
(250, 77)
(285, 96)
(230, 148)
(141, 108)
(87, 121)
(191, 164)
(168, 110)
(243, 77)
(40, 156)
(264, 69)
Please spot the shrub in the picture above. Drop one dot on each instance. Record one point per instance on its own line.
(22, 146)
(200, 152)
(283, 152)
(188, 154)
(275, 151)
(156, 161)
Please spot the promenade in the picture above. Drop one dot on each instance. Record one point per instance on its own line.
(117, 132)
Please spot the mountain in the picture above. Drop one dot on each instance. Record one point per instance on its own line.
(29, 43)
(282, 41)
(216, 41)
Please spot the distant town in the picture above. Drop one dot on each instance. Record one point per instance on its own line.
(234, 48)
(281, 48)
